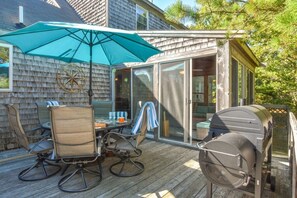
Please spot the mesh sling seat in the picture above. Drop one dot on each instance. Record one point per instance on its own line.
(42, 168)
(126, 148)
(101, 108)
(43, 115)
(74, 138)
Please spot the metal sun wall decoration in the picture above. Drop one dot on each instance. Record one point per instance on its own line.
(71, 78)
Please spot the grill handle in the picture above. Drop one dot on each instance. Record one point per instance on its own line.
(202, 148)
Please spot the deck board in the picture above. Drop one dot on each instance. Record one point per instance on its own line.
(170, 171)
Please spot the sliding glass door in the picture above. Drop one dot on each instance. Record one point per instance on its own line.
(173, 101)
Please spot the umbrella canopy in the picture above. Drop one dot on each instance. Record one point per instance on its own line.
(72, 42)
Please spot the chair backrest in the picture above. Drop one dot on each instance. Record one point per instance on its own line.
(43, 112)
(138, 108)
(101, 108)
(16, 126)
(73, 131)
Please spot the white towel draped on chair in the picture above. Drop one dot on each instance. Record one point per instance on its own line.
(152, 121)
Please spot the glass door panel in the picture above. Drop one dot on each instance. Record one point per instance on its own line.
(142, 86)
(172, 94)
(203, 95)
(122, 90)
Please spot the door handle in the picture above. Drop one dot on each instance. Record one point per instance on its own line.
(188, 101)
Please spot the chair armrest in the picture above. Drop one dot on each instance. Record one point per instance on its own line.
(113, 139)
(38, 136)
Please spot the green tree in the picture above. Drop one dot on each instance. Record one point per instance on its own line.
(4, 53)
(271, 32)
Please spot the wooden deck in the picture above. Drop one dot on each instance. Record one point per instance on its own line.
(170, 171)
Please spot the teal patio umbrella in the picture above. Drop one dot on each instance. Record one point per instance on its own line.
(71, 42)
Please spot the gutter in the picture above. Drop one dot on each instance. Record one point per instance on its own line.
(191, 33)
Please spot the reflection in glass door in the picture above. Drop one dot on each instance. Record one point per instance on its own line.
(203, 95)
(142, 87)
(172, 101)
(122, 90)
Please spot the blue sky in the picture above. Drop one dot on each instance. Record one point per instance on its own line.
(165, 3)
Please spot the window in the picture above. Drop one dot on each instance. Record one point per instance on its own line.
(141, 18)
(242, 84)
(234, 82)
(5, 67)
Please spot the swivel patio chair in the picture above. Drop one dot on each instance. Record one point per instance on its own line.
(44, 115)
(42, 168)
(125, 146)
(102, 108)
(127, 129)
(74, 138)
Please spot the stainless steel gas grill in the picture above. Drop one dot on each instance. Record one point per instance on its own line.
(237, 152)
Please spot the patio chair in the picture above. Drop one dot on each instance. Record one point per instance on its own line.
(127, 130)
(42, 168)
(43, 115)
(74, 138)
(102, 108)
(126, 148)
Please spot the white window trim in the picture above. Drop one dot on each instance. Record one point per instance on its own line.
(147, 16)
(10, 88)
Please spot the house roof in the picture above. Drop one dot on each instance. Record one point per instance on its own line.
(35, 10)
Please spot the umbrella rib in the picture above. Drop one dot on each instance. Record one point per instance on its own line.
(81, 41)
(74, 36)
(107, 37)
(102, 40)
(109, 63)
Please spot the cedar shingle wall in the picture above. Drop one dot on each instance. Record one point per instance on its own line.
(174, 45)
(34, 80)
(155, 23)
(91, 11)
(122, 15)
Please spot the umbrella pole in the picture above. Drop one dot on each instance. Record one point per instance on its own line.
(90, 92)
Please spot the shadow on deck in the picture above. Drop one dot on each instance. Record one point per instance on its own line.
(170, 171)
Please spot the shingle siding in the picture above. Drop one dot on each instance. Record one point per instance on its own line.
(122, 15)
(91, 11)
(175, 45)
(155, 23)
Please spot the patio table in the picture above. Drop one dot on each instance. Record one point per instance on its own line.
(110, 125)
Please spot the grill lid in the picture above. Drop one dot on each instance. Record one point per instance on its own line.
(248, 119)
